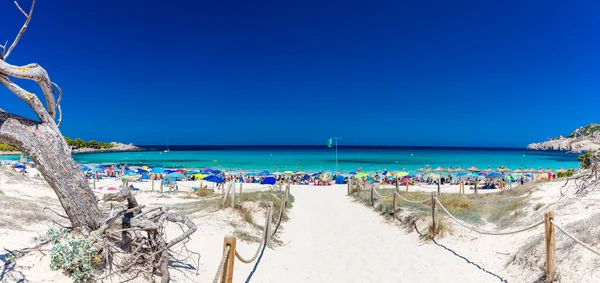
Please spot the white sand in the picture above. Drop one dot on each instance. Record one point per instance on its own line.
(330, 238)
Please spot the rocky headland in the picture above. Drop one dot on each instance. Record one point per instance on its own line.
(583, 139)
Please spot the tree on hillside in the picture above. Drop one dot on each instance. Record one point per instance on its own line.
(43, 142)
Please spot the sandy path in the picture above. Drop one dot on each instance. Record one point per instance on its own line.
(332, 239)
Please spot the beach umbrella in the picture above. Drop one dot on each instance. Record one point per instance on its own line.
(145, 168)
(84, 168)
(176, 175)
(518, 171)
(130, 173)
(473, 169)
(300, 173)
(493, 175)
(503, 169)
(474, 174)
(401, 174)
(19, 167)
(250, 174)
(99, 168)
(352, 173)
(269, 181)
(421, 170)
(361, 175)
(199, 176)
(207, 170)
(216, 172)
(145, 176)
(158, 170)
(180, 171)
(263, 174)
(458, 170)
(110, 169)
(276, 173)
(214, 179)
(142, 171)
(427, 170)
(314, 174)
(488, 170)
(289, 173)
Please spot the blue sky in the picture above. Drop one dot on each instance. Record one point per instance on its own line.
(457, 73)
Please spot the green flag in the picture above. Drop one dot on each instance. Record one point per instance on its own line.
(329, 143)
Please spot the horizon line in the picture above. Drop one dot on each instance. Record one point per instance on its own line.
(323, 146)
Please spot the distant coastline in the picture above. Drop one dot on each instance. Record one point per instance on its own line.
(116, 147)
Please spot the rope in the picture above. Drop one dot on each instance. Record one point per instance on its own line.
(411, 201)
(261, 252)
(265, 234)
(486, 232)
(222, 264)
(378, 194)
(281, 209)
(575, 239)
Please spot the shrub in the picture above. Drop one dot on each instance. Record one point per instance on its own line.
(204, 192)
(72, 254)
(586, 160)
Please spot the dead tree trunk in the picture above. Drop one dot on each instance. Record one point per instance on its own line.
(41, 140)
(47, 148)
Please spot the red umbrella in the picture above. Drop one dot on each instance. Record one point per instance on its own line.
(112, 189)
(180, 171)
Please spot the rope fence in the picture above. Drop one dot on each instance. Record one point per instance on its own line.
(226, 270)
(574, 239)
(487, 232)
(548, 221)
(222, 264)
(411, 201)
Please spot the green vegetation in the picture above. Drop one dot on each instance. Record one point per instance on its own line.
(74, 255)
(586, 131)
(5, 147)
(74, 143)
(585, 160)
(567, 173)
(79, 143)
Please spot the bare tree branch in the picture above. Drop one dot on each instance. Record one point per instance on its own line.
(30, 98)
(23, 28)
(58, 104)
(33, 72)
(3, 47)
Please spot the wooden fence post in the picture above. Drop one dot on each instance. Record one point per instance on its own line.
(395, 206)
(434, 215)
(550, 247)
(241, 185)
(407, 187)
(372, 190)
(397, 184)
(475, 186)
(349, 191)
(232, 194)
(153, 184)
(227, 275)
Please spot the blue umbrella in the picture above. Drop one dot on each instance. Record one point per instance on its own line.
(306, 177)
(158, 170)
(314, 175)
(170, 171)
(145, 177)
(216, 172)
(214, 179)
(85, 168)
(352, 173)
(19, 167)
(130, 173)
(99, 168)
(263, 174)
(142, 171)
(250, 174)
(493, 175)
(177, 175)
(269, 181)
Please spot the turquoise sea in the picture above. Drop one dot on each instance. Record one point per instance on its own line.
(316, 158)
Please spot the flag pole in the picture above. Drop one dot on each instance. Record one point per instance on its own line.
(336, 154)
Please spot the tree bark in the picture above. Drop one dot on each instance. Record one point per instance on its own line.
(45, 145)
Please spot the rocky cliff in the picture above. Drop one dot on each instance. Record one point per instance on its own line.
(116, 146)
(583, 139)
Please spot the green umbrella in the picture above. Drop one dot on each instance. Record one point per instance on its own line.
(401, 174)
(360, 175)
